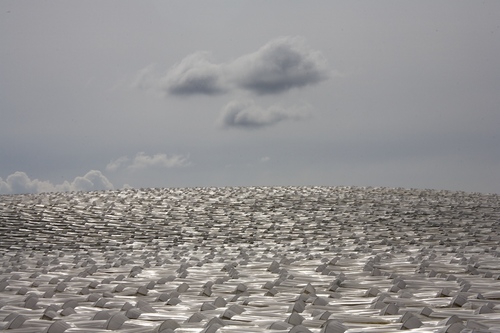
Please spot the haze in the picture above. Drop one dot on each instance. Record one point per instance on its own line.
(112, 94)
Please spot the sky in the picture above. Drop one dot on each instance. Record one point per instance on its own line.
(101, 95)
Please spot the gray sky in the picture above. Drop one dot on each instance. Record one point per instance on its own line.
(108, 94)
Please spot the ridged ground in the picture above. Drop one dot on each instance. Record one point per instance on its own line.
(250, 259)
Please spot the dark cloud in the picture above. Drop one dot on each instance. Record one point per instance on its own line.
(278, 66)
(195, 74)
(246, 114)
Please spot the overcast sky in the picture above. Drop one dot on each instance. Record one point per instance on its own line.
(112, 94)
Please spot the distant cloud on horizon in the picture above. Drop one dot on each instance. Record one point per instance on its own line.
(247, 114)
(19, 182)
(280, 65)
(143, 161)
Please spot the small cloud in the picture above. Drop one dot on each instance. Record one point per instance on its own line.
(116, 164)
(93, 180)
(265, 159)
(143, 161)
(195, 74)
(146, 78)
(19, 182)
(247, 114)
(278, 66)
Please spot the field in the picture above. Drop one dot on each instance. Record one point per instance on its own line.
(250, 259)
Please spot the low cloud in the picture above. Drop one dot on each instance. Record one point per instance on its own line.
(19, 182)
(280, 65)
(143, 161)
(247, 114)
(117, 164)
